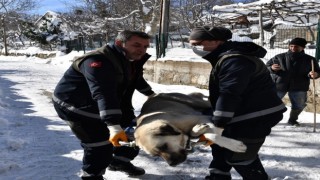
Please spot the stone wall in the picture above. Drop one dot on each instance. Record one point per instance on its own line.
(197, 74)
(39, 55)
(178, 72)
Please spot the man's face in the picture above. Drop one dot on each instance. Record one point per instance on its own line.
(208, 45)
(295, 48)
(135, 47)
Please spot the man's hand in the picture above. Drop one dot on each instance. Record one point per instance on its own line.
(117, 134)
(205, 140)
(313, 74)
(210, 136)
(276, 67)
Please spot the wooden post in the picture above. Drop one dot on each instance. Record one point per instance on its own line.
(317, 55)
(314, 100)
(261, 28)
(164, 26)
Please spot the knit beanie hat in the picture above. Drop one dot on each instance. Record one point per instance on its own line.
(298, 41)
(207, 33)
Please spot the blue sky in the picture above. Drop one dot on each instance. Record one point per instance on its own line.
(52, 5)
(57, 6)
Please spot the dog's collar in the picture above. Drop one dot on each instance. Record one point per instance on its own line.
(189, 147)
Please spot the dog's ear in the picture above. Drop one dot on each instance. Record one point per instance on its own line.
(166, 130)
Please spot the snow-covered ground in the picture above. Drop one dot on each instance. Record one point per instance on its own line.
(37, 145)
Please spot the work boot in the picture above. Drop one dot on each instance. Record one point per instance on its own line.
(293, 122)
(88, 176)
(93, 178)
(217, 177)
(126, 167)
(294, 117)
(252, 171)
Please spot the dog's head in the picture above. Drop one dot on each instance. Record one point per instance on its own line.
(164, 140)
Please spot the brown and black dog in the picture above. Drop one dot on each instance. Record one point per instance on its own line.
(168, 121)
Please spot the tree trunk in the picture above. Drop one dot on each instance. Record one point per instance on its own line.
(4, 37)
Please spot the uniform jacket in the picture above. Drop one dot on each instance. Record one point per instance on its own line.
(103, 86)
(295, 68)
(237, 93)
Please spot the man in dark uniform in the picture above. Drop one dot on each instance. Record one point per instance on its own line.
(244, 101)
(94, 98)
(292, 71)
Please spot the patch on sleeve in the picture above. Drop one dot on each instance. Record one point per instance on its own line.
(96, 64)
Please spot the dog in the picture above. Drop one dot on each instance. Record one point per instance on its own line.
(167, 122)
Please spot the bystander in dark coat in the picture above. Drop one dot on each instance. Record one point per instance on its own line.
(291, 71)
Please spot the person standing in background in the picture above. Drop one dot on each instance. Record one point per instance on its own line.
(292, 71)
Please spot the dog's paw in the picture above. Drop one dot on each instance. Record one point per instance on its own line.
(199, 129)
(238, 146)
(233, 145)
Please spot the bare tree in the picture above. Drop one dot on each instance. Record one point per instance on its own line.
(9, 10)
(115, 15)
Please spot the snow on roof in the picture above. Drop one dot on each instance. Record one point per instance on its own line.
(296, 6)
(293, 12)
(48, 14)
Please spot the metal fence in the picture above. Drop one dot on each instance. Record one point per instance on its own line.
(275, 41)
(278, 40)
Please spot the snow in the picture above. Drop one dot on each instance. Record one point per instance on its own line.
(286, 12)
(36, 144)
